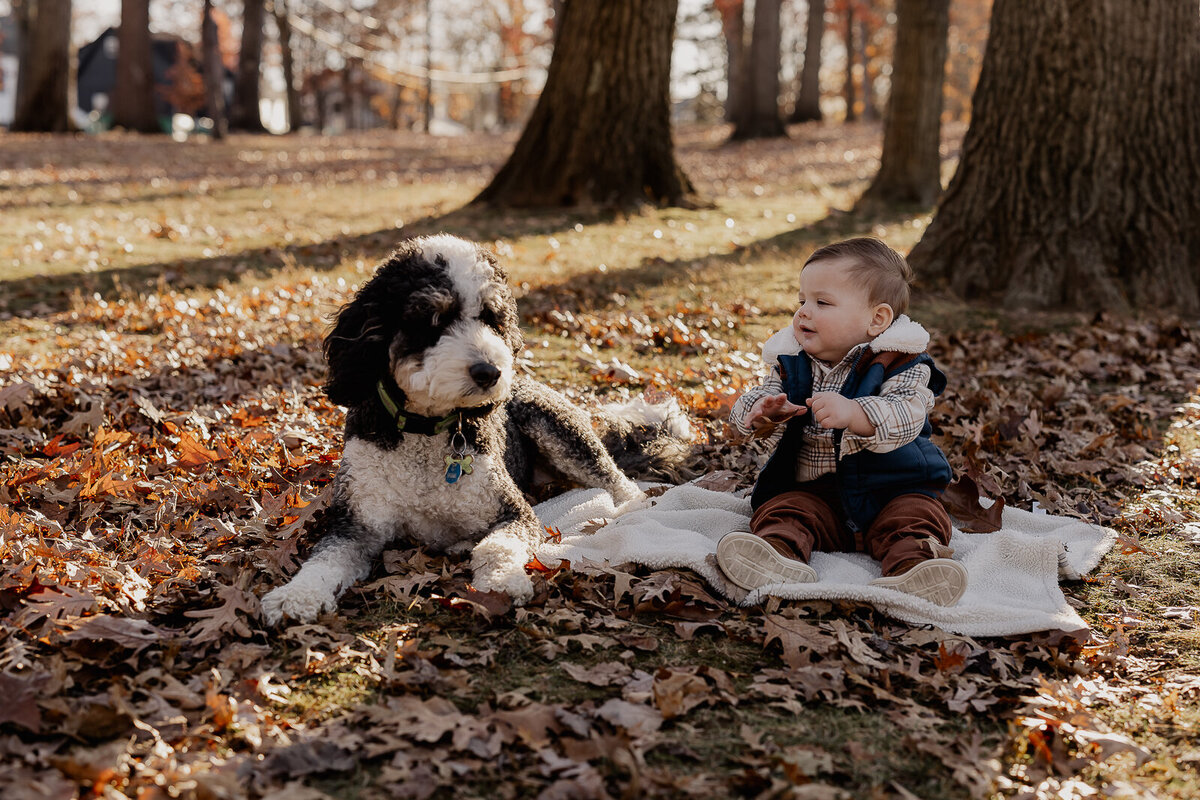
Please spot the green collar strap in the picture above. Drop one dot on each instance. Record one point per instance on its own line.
(415, 423)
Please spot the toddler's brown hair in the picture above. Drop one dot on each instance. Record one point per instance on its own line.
(884, 271)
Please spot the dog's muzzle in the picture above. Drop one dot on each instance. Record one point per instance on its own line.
(484, 374)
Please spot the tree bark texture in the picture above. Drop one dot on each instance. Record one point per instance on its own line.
(1079, 182)
(284, 25)
(733, 27)
(808, 95)
(910, 169)
(245, 115)
(760, 118)
(133, 92)
(214, 72)
(601, 131)
(43, 80)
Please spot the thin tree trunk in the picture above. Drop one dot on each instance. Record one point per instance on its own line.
(601, 130)
(911, 167)
(214, 72)
(245, 115)
(733, 28)
(43, 92)
(23, 15)
(284, 25)
(1079, 182)
(397, 108)
(848, 88)
(761, 117)
(808, 96)
(870, 107)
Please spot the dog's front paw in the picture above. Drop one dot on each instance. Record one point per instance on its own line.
(627, 492)
(635, 503)
(519, 587)
(298, 601)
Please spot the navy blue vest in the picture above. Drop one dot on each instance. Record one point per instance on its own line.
(866, 481)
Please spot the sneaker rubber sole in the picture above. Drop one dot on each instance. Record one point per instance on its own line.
(941, 581)
(750, 562)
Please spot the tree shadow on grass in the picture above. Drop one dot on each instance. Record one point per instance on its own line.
(46, 295)
(595, 290)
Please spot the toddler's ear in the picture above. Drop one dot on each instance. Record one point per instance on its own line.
(881, 319)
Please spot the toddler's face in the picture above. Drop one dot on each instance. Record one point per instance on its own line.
(835, 312)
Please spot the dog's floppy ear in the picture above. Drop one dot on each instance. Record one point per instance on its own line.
(356, 352)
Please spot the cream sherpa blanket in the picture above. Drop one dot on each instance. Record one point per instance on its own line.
(1013, 573)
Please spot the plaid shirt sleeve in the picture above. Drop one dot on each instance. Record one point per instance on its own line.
(773, 385)
(898, 412)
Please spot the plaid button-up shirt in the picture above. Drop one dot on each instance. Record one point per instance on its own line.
(898, 413)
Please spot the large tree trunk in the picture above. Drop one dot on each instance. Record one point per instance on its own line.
(910, 170)
(601, 130)
(214, 72)
(284, 26)
(808, 95)
(733, 27)
(1079, 182)
(45, 66)
(245, 114)
(760, 117)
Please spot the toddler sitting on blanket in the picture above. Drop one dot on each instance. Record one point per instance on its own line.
(854, 470)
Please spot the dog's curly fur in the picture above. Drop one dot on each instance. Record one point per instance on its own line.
(437, 328)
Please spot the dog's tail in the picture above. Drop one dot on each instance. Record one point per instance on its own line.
(649, 441)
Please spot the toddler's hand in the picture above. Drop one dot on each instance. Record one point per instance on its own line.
(773, 410)
(831, 410)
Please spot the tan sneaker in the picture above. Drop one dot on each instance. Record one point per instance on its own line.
(941, 581)
(750, 562)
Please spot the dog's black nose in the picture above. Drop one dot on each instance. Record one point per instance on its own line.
(484, 374)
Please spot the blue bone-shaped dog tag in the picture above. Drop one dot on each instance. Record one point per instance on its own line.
(457, 467)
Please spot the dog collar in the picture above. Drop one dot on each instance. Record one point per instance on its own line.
(415, 423)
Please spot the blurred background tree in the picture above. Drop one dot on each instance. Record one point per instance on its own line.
(757, 115)
(134, 88)
(601, 131)
(44, 37)
(910, 167)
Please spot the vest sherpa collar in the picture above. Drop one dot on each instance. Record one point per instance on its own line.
(903, 336)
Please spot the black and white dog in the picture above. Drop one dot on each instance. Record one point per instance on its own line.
(442, 436)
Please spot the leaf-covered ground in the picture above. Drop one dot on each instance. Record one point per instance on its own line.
(167, 456)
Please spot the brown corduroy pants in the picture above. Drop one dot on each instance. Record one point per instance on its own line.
(804, 521)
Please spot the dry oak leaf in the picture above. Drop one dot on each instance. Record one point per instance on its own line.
(20, 700)
(56, 604)
(798, 639)
(676, 693)
(133, 634)
(961, 500)
(636, 719)
(533, 723)
(192, 453)
(214, 622)
(612, 673)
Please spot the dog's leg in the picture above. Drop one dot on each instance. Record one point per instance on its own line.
(564, 435)
(498, 560)
(342, 557)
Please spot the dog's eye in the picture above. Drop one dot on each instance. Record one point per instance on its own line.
(488, 317)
